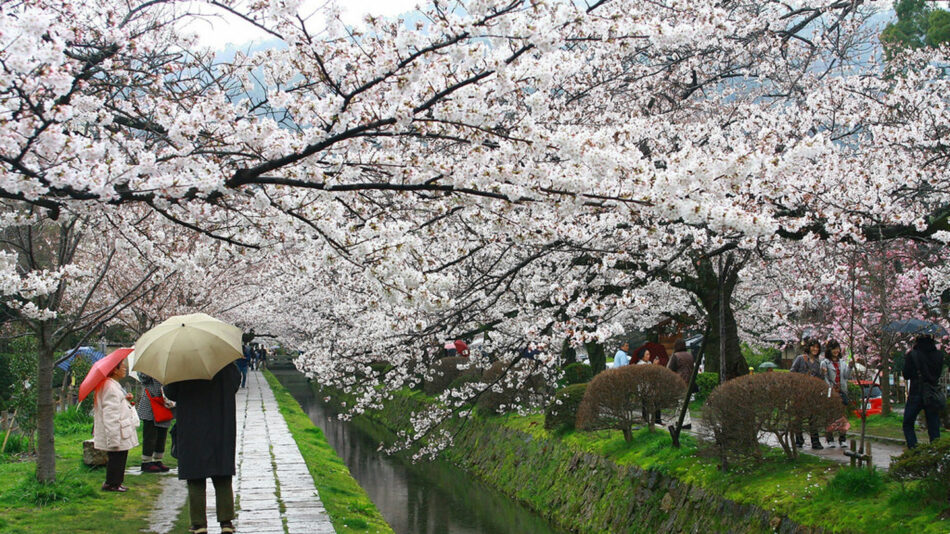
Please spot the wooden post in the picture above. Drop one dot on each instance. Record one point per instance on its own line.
(677, 427)
(867, 455)
(9, 428)
(853, 456)
(722, 323)
(64, 390)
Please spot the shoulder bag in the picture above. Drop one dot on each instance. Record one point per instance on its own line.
(160, 412)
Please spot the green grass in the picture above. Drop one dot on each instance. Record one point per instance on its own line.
(885, 426)
(810, 490)
(348, 505)
(74, 501)
(849, 482)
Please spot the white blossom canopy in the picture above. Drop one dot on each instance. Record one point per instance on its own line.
(545, 170)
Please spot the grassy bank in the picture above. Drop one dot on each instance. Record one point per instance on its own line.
(74, 503)
(809, 491)
(350, 509)
(884, 426)
(523, 460)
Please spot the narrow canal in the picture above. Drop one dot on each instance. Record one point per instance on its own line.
(422, 498)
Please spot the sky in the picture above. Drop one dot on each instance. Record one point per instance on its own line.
(222, 29)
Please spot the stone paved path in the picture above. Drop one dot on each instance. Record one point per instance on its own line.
(273, 489)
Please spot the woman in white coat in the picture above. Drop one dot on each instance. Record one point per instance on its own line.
(114, 426)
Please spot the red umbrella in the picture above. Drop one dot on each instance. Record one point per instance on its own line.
(100, 371)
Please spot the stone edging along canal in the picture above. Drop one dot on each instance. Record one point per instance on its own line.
(587, 493)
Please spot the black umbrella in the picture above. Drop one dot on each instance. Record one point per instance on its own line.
(916, 326)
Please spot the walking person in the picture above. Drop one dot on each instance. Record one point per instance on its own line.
(681, 363)
(243, 362)
(622, 357)
(262, 358)
(154, 427)
(206, 430)
(922, 366)
(807, 363)
(114, 424)
(836, 373)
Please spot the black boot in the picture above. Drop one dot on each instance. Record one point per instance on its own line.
(816, 445)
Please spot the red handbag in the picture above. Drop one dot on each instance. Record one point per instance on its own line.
(159, 411)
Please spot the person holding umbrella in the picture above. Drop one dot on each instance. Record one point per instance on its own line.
(114, 422)
(193, 355)
(923, 366)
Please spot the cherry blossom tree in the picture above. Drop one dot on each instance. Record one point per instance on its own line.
(540, 171)
(854, 294)
(53, 287)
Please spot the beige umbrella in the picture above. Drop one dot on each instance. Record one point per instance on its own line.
(187, 347)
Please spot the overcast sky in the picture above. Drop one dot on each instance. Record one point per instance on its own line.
(220, 30)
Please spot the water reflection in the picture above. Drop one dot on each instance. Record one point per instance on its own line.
(422, 498)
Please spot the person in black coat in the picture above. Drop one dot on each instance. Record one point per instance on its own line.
(205, 442)
(923, 363)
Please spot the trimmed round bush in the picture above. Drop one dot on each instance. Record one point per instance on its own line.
(928, 463)
(777, 403)
(705, 383)
(466, 378)
(444, 372)
(502, 396)
(562, 413)
(616, 398)
(577, 373)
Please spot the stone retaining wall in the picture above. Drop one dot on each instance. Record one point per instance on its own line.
(586, 493)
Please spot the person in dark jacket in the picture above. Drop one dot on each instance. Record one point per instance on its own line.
(246, 360)
(808, 363)
(206, 431)
(261, 355)
(923, 363)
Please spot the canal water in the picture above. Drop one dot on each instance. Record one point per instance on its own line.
(421, 498)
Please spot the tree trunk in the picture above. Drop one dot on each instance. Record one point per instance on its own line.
(735, 362)
(595, 353)
(706, 286)
(45, 447)
(885, 387)
(568, 354)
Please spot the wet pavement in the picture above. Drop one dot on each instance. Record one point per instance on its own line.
(273, 490)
